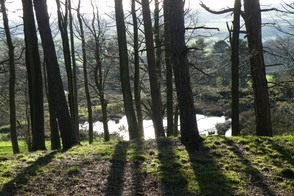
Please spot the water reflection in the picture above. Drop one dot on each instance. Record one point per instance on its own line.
(206, 124)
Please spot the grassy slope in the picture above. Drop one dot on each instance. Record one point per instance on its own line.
(221, 166)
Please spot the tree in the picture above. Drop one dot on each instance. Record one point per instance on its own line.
(235, 69)
(86, 81)
(188, 123)
(152, 70)
(252, 17)
(169, 74)
(63, 23)
(137, 83)
(67, 132)
(75, 115)
(98, 32)
(124, 71)
(12, 108)
(33, 65)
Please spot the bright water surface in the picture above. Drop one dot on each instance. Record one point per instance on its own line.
(205, 124)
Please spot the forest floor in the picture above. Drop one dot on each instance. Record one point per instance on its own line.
(220, 166)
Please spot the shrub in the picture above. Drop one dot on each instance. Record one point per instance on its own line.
(222, 128)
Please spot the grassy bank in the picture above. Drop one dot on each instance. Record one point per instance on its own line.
(221, 166)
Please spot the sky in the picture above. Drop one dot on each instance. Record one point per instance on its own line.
(204, 18)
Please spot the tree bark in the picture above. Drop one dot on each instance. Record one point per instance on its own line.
(189, 129)
(154, 85)
(235, 69)
(67, 133)
(63, 25)
(169, 73)
(137, 85)
(75, 115)
(124, 71)
(12, 109)
(86, 81)
(259, 82)
(33, 65)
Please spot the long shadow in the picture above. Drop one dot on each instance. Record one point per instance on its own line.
(289, 155)
(22, 178)
(254, 175)
(118, 162)
(137, 159)
(211, 180)
(172, 179)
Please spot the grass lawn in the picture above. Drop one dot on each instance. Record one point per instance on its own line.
(220, 166)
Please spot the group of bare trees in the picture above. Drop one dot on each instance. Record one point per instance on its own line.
(151, 36)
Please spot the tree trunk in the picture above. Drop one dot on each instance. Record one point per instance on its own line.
(235, 69)
(75, 116)
(259, 82)
(54, 137)
(154, 86)
(67, 133)
(169, 73)
(99, 77)
(176, 120)
(33, 65)
(137, 85)
(189, 129)
(12, 116)
(63, 25)
(86, 82)
(157, 40)
(124, 71)
(54, 132)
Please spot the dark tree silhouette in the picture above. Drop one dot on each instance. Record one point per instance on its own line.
(188, 123)
(67, 132)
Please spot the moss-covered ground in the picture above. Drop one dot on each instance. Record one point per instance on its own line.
(219, 166)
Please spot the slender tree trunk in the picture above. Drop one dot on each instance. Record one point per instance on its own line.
(13, 132)
(169, 73)
(157, 40)
(154, 85)
(63, 25)
(67, 133)
(124, 70)
(176, 120)
(259, 82)
(86, 82)
(189, 129)
(75, 116)
(28, 138)
(54, 136)
(235, 69)
(99, 77)
(137, 84)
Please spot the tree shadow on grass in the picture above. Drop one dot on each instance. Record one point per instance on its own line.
(118, 161)
(172, 179)
(137, 159)
(22, 178)
(288, 154)
(211, 180)
(255, 177)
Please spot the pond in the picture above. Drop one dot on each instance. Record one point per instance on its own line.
(206, 125)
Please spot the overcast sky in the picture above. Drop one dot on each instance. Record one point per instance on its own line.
(205, 18)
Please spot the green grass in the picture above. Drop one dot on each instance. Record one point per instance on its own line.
(220, 166)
